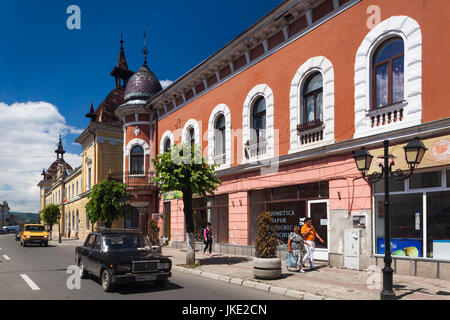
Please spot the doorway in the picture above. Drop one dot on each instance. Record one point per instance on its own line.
(318, 211)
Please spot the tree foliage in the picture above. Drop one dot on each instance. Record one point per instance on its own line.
(266, 238)
(50, 214)
(106, 202)
(184, 168)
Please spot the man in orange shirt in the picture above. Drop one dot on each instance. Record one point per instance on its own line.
(309, 235)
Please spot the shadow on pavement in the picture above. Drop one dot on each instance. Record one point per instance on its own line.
(221, 260)
(139, 288)
(409, 292)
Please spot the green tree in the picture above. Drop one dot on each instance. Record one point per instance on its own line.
(266, 238)
(185, 169)
(106, 202)
(50, 215)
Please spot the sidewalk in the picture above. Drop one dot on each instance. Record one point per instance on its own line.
(65, 242)
(323, 283)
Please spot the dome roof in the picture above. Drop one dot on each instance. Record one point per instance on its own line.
(52, 171)
(142, 85)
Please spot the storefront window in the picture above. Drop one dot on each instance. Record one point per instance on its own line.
(394, 186)
(314, 190)
(287, 206)
(199, 213)
(215, 211)
(285, 193)
(260, 196)
(448, 178)
(425, 180)
(438, 225)
(132, 219)
(406, 212)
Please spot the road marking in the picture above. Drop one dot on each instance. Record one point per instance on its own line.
(6, 257)
(30, 282)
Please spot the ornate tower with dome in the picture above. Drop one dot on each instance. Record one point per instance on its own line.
(138, 130)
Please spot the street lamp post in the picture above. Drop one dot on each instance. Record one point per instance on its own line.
(59, 228)
(414, 152)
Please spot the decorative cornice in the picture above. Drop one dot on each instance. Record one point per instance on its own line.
(266, 27)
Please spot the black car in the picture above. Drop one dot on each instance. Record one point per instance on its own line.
(121, 257)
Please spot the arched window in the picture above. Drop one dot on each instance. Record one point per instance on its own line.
(190, 136)
(258, 125)
(167, 145)
(137, 160)
(388, 73)
(259, 119)
(313, 100)
(219, 140)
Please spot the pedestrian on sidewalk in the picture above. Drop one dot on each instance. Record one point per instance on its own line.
(309, 235)
(296, 246)
(207, 235)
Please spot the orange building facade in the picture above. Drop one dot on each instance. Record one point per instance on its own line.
(282, 107)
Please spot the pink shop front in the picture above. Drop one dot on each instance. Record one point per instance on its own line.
(329, 190)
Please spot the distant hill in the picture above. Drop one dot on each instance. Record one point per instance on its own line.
(26, 217)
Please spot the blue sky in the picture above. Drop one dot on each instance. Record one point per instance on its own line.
(49, 74)
(42, 60)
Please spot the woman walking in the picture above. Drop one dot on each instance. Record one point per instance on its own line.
(309, 234)
(207, 235)
(296, 247)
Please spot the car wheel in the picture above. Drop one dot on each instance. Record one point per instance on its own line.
(46, 244)
(83, 272)
(106, 281)
(24, 244)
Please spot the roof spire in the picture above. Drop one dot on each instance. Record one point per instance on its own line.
(120, 71)
(145, 51)
(60, 150)
(92, 114)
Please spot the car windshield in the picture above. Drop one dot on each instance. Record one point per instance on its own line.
(126, 242)
(35, 228)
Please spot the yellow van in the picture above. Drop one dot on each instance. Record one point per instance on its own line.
(33, 233)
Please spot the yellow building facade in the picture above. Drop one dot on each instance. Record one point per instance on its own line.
(101, 158)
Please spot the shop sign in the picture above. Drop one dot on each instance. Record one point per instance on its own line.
(284, 221)
(438, 154)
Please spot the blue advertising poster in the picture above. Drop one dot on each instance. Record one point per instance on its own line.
(402, 247)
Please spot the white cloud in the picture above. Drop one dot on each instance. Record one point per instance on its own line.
(29, 134)
(165, 83)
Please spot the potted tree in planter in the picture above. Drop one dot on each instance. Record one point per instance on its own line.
(266, 265)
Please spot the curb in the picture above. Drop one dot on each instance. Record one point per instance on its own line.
(253, 284)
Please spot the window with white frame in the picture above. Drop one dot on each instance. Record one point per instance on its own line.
(137, 160)
(258, 131)
(312, 105)
(166, 142)
(219, 136)
(420, 215)
(388, 77)
(191, 132)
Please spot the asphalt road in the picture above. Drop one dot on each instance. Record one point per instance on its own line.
(39, 273)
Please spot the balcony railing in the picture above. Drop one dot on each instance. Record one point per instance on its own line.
(254, 148)
(220, 159)
(388, 114)
(134, 180)
(311, 131)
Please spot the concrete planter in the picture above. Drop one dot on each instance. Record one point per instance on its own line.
(267, 268)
